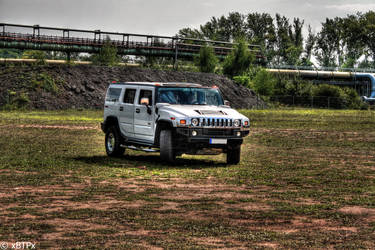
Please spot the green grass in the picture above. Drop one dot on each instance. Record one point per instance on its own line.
(306, 180)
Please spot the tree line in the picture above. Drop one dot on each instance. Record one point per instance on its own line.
(344, 42)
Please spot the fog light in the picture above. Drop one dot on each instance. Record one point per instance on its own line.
(194, 133)
(195, 122)
(238, 133)
(236, 123)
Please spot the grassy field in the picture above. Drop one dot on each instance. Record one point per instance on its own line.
(306, 180)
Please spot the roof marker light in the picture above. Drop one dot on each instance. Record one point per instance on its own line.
(215, 87)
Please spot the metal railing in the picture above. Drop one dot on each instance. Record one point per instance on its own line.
(314, 68)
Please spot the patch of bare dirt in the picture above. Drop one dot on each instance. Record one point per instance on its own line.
(252, 206)
(356, 210)
(69, 225)
(69, 127)
(268, 245)
(210, 241)
(368, 214)
(168, 206)
(140, 232)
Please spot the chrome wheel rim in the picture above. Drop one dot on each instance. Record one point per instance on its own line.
(110, 142)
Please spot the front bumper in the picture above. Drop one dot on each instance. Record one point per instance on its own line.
(203, 135)
(235, 133)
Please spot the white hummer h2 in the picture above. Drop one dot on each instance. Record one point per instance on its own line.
(175, 118)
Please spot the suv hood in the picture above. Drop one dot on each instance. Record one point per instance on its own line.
(201, 111)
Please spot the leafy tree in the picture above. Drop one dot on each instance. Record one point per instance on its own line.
(190, 33)
(207, 59)
(353, 46)
(341, 42)
(239, 61)
(309, 46)
(260, 29)
(235, 26)
(283, 40)
(367, 21)
(289, 40)
(328, 50)
(107, 55)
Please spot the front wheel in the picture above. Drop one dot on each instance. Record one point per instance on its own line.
(234, 154)
(167, 152)
(113, 142)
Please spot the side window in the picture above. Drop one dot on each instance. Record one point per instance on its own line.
(129, 96)
(145, 93)
(113, 94)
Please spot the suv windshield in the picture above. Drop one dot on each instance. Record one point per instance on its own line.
(189, 96)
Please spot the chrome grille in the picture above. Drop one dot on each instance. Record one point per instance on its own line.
(216, 122)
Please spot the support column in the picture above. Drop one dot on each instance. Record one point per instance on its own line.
(175, 62)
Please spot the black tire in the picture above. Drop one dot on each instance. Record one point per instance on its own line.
(113, 141)
(234, 154)
(167, 152)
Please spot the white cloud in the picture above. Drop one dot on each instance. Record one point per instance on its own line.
(352, 7)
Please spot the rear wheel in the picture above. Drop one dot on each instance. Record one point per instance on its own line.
(234, 154)
(167, 152)
(113, 142)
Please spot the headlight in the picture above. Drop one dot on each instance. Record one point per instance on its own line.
(194, 122)
(236, 123)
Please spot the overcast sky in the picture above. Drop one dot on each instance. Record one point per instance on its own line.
(164, 17)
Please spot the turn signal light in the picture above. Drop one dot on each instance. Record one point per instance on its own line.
(246, 123)
(183, 122)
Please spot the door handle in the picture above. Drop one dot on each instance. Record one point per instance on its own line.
(121, 108)
(137, 110)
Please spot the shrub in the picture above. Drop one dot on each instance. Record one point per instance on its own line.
(40, 56)
(352, 98)
(107, 55)
(243, 80)
(239, 61)
(16, 100)
(45, 82)
(327, 90)
(341, 97)
(263, 83)
(207, 59)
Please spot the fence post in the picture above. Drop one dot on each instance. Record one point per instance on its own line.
(328, 102)
(293, 100)
(312, 102)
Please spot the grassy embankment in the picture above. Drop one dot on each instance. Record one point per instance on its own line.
(306, 179)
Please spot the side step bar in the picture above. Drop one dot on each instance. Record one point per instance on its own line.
(148, 150)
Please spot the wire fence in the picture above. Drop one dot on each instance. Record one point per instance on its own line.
(305, 102)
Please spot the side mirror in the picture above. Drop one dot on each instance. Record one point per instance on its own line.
(227, 103)
(145, 101)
